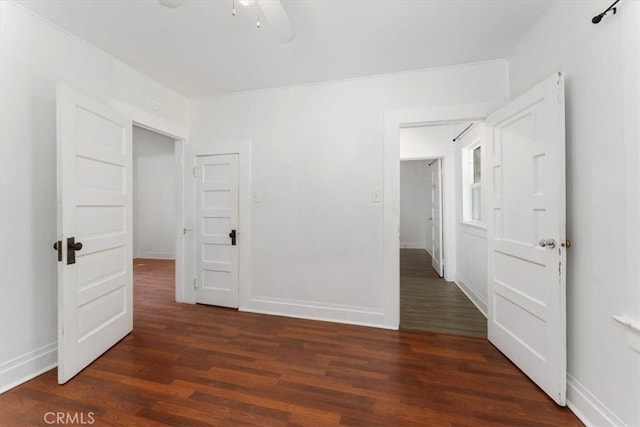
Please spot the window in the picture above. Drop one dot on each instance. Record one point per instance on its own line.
(472, 184)
(476, 184)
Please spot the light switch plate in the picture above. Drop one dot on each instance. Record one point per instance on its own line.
(376, 196)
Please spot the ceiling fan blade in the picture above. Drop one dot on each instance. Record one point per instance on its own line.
(278, 20)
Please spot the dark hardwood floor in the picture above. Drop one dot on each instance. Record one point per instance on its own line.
(186, 365)
(430, 303)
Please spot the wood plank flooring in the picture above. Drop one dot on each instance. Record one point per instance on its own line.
(430, 303)
(186, 365)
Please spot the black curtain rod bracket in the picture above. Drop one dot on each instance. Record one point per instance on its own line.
(462, 133)
(596, 19)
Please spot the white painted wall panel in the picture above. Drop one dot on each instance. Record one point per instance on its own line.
(471, 274)
(601, 69)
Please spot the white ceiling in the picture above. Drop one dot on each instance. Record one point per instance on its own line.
(200, 49)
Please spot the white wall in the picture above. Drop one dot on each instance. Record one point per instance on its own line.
(317, 156)
(415, 204)
(471, 247)
(34, 55)
(154, 195)
(600, 63)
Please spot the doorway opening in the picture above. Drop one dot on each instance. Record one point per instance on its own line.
(155, 182)
(431, 298)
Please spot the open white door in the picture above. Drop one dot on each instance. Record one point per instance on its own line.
(526, 234)
(216, 228)
(436, 215)
(95, 282)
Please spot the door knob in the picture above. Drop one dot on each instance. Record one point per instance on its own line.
(233, 237)
(72, 247)
(547, 243)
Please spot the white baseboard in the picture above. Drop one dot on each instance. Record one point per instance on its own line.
(313, 311)
(412, 245)
(30, 365)
(472, 294)
(155, 255)
(588, 408)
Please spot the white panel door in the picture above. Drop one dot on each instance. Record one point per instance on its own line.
(94, 209)
(526, 234)
(216, 230)
(436, 215)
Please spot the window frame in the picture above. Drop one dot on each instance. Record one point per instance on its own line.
(468, 184)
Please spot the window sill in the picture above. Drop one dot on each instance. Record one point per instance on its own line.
(475, 224)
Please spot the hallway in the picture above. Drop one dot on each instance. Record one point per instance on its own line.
(429, 303)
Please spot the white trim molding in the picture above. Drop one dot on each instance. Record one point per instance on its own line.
(336, 313)
(588, 408)
(23, 368)
(155, 255)
(472, 294)
(150, 121)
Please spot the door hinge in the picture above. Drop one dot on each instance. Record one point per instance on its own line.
(195, 283)
(195, 171)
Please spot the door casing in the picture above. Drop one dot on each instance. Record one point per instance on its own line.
(179, 134)
(393, 121)
(437, 233)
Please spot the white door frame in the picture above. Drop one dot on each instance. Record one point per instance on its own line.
(442, 198)
(441, 222)
(179, 134)
(393, 121)
(243, 150)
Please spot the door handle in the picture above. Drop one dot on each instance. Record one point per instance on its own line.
(72, 247)
(57, 246)
(547, 242)
(233, 237)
